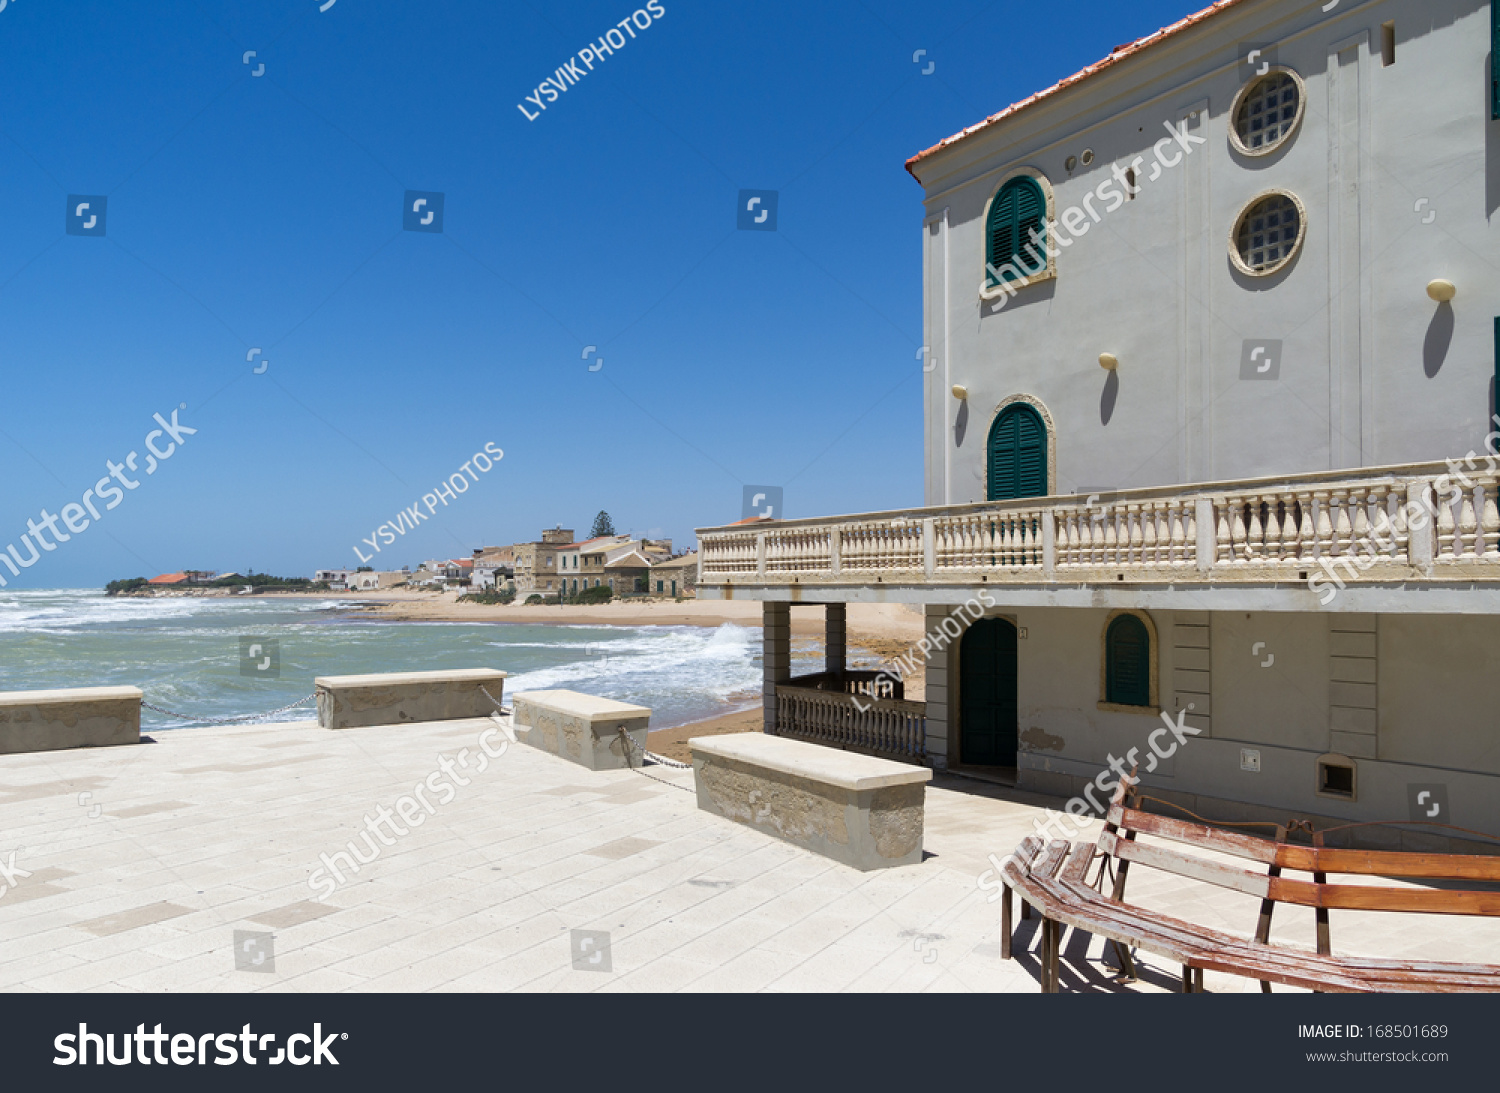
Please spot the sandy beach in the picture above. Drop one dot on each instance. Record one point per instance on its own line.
(673, 743)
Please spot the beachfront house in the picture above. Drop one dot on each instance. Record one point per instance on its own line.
(536, 563)
(628, 571)
(493, 567)
(1205, 324)
(675, 576)
(371, 581)
(570, 561)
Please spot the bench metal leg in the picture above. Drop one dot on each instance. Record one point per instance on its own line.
(1051, 943)
(1005, 926)
(1263, 930)
(1127, 962)
(1045, 957)
(1192, 979)
(1025, 911)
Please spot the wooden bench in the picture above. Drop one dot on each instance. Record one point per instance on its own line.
(1052, 876)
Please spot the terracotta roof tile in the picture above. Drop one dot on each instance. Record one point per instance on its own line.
(1118, 54)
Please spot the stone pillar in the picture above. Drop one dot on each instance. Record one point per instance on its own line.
(835, 642)
(939, 705)
(776, 655)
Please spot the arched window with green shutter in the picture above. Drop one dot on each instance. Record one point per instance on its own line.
(1016, 211)
(1127, 662)
(1017, 454)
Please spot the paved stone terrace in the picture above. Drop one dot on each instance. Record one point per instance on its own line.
(145, 860)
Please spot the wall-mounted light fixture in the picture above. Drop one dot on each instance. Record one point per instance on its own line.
(960, 392)
(1442, 291)
(1108, 361)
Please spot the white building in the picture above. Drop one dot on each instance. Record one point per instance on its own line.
(1270, 223)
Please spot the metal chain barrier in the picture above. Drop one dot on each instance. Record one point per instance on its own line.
(503, 710)
(228, 720)
(631, 745)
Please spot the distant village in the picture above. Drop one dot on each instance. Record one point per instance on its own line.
(550, 568)
(554, 565)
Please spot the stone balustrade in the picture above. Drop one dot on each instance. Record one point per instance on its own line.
(1414, 522)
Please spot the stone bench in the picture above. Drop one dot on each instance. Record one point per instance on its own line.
(86, 717)
(347, 702)
(856, 809)
(582, 728)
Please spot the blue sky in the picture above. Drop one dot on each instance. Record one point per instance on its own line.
(264, 212)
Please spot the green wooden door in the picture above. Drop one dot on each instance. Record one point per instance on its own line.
(989, 719)
(1017, 454)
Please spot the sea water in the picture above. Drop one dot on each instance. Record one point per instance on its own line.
(186, 654)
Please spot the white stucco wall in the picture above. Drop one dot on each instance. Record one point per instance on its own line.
(1370, 374)
(1278, 683)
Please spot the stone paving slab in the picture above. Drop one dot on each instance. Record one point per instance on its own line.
(144, 861)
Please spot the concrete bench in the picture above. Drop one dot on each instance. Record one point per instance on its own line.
(582, 728)
(865, 812)
(347, 702)
(86, 717)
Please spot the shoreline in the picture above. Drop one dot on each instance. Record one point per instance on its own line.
(875, 632)
(672, 743)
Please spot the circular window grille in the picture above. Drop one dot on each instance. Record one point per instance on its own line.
(1268, 235)
(1267, 112)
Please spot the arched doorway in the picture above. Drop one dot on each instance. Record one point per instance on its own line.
(989, 719)
(1016, 454)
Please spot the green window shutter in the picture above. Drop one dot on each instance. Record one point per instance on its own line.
(1127, 669)
(1017, 454)
(1494, 59)
(1019, 209)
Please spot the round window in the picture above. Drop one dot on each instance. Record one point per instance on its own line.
(1267, 111)
(1268, 234)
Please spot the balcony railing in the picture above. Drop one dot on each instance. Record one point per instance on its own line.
(868, 683)
(887, 727)
(1377, 525)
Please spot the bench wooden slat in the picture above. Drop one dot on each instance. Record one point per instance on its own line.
(1362, 897)
(1389, 863)
(1227, 842)
(1186, 865)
